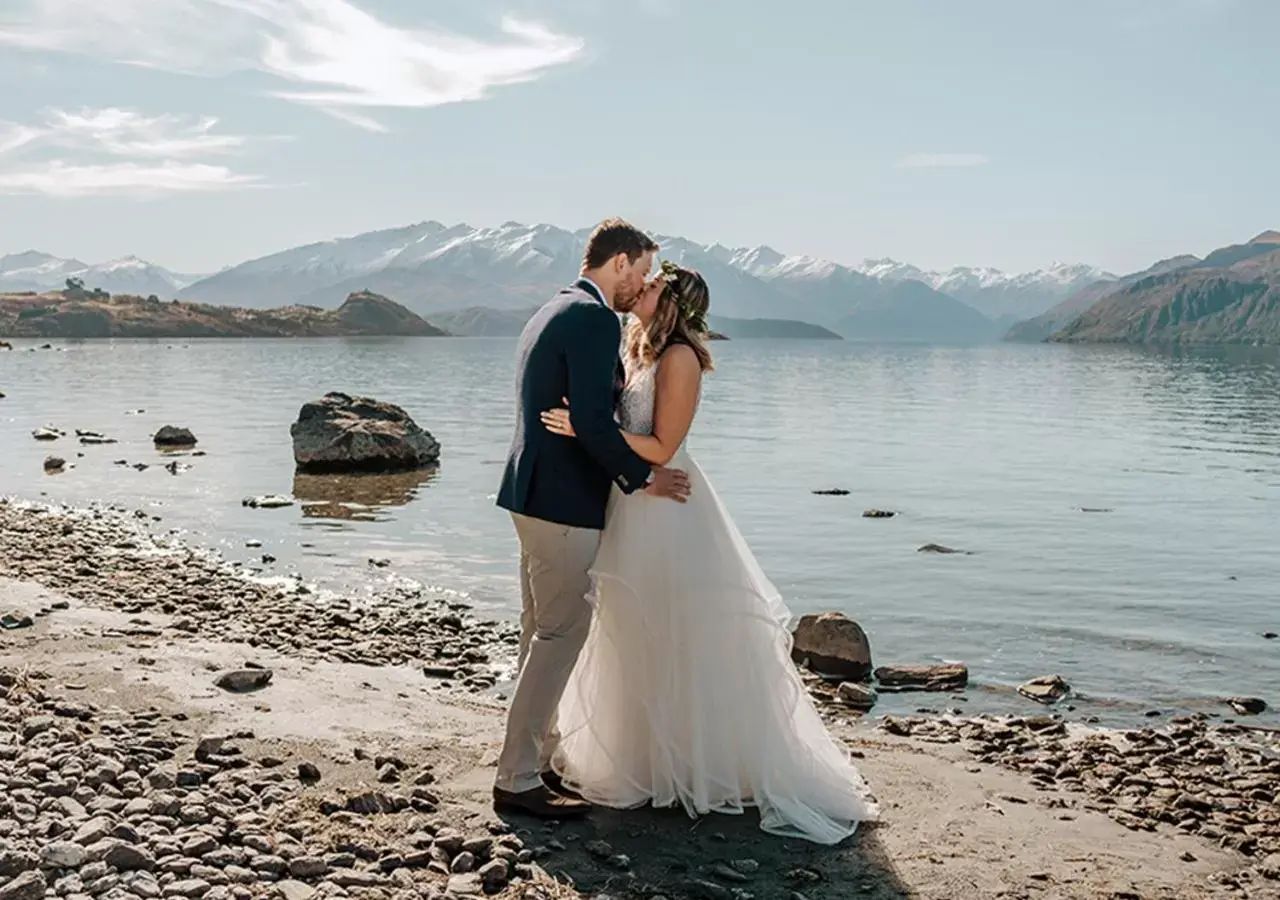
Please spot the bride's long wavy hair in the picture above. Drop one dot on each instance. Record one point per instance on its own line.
(680, 318)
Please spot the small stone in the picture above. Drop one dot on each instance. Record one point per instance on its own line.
(269, 501)
(14, 621)
(1047, 689)
(1247, 706)
(93, 831)
(943, 550)
(305, 867)
(859, 696)
(832, 492)
(54, 463)
(494, 875)
(353, 878)
(467, 885)
(600, 849)
(464, 862)
(27, 886)
(878, 514)
(243, 681)
(199, 846)
(728, 873)
(190, 888)
(294, 890)
(707, 890)
(1270, 867)
(63, 855)
(308, 773)
(210, 746)
(14, 862)
(372, 802)
(127, 858)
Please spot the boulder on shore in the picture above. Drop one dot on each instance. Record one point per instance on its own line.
(834, 645)
(948, 677)
(340, 433)
(1047, 689)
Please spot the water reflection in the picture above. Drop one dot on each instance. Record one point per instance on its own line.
(360, 497)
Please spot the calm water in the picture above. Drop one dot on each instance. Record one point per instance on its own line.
(1158, 602)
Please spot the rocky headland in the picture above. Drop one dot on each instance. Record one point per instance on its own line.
(76, 313)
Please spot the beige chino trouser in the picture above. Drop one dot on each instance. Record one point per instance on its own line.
(555, 562)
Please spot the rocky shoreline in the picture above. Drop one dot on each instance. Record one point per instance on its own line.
(112, 560)
(99, 803)
(1219, 782)
(103, 802)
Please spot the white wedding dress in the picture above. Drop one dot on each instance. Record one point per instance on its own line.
(685, 691)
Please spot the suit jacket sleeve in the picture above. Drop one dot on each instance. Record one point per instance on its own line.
(592, 362)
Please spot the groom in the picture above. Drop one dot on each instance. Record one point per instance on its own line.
(556, 491)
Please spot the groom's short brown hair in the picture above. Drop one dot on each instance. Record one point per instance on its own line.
(614, 236)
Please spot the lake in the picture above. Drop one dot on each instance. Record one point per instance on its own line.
(1122, 506)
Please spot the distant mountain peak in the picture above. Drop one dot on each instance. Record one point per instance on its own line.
(1267, 237)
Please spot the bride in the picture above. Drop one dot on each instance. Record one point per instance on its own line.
(685, 691)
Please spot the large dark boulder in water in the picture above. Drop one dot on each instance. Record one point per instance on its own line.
(173, 436)
(340, 433)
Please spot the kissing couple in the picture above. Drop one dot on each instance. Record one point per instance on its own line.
(655, 657)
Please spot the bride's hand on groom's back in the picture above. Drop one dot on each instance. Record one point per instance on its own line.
(670, 483)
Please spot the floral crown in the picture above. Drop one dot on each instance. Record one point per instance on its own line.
(670, 274)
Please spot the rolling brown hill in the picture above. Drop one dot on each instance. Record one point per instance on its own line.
(77, 313)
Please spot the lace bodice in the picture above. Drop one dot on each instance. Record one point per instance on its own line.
(635, 407)
(640, 397)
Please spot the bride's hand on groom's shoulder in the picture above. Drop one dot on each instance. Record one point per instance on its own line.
(672, 484)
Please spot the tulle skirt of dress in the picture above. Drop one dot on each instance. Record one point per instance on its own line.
(685, 691)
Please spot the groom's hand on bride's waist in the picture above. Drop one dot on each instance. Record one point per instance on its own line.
(670, 483)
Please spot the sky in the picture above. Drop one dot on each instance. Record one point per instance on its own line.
(201, 133)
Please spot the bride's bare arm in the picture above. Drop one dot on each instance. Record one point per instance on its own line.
(678, 380)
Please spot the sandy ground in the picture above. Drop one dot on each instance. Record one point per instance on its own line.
(950, 828)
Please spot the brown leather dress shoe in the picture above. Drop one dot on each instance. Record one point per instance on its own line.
(541, 802)
(553, 780)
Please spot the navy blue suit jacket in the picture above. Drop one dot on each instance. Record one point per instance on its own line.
(569, 349)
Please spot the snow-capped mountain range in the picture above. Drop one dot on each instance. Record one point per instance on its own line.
(431, 267)
(36, 271)
(998, 295)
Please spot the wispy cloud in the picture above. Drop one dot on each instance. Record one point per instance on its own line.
(123, 132)
(942, 161)
(59, 179)
(116, 151)
(332, 54)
